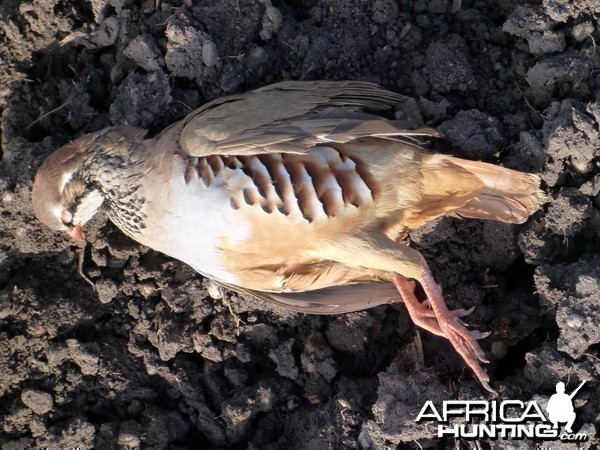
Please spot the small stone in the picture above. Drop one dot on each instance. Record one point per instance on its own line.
(117, 73)
(129, 435)
(107, 33)
(582, 31)
(107, 290)
(39, 402)
(271, 23)
(144, 51)
(214, 290)
(574, 320)
(210, 54)
(147, 288)
(85, 356)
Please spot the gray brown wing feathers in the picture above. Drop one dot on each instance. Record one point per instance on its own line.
(291, 117)
(332, 300)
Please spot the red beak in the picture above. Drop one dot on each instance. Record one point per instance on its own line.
(76, 233)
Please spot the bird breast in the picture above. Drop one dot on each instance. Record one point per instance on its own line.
(220, 211)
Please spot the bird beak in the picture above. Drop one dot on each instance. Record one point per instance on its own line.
(76, 233)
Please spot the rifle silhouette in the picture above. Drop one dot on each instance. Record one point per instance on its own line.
(577, 390)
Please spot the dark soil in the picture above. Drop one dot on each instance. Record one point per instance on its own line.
(157, 357)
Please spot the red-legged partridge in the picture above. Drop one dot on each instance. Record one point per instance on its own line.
(294, 193)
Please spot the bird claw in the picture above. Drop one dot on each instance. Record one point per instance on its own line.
(443, 322)
(426, 310)
(462, 312)
(480, 334)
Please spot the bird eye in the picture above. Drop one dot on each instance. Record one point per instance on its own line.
(66, 217)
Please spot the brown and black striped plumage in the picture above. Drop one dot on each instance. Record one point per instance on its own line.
(297, 193)
(317, 187)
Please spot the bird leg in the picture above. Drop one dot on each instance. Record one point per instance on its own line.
(441, 321)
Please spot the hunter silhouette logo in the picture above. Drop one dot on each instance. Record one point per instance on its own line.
(506, 419)
(560, 406)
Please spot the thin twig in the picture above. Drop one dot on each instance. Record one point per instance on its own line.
(80, 265)
(236, 320)
(43, 116)
(526, 100)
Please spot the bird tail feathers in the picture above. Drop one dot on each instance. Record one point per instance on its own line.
(506, 196)
(473, 189)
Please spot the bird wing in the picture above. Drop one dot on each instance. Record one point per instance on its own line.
(292, 117)
(331, 300)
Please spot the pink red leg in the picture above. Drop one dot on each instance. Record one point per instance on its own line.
(443, 322)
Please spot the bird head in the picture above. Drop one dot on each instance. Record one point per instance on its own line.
(70, 185)
(63, 196)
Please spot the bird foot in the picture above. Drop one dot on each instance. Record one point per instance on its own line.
(440, 321)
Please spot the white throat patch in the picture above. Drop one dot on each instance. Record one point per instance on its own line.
(88, 206)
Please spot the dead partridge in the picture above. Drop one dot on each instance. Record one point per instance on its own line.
(298, 193)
